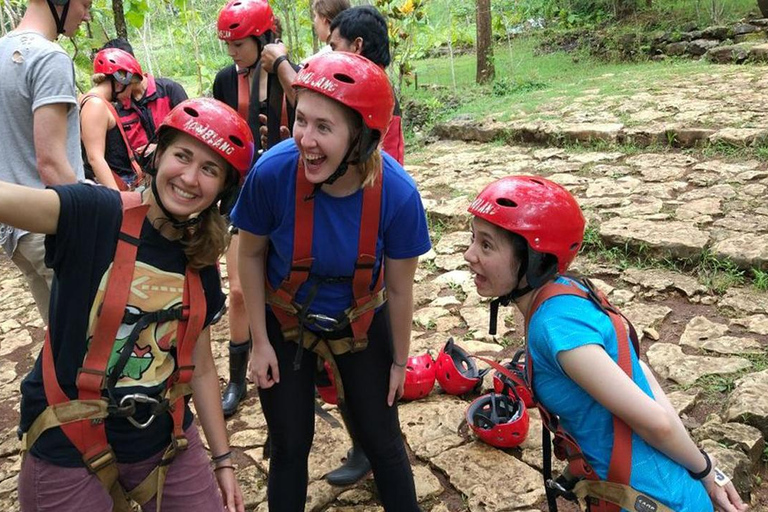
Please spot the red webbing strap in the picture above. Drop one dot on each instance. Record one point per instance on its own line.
(243, 94)
(620, 467)
(194, 304)
(366, 259)
(301, 263)
(88, 437)
(131, 154)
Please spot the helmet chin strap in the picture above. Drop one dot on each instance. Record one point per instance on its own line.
(177, 224)
(59, 20)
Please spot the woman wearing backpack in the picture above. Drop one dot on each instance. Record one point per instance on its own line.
(333, 230)
(526, 232)
(104, 410)
(109, 159)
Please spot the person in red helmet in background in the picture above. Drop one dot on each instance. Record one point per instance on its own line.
(104, 410)
(151, 99)
(310, 288)
(109, 158)
(246, 26)
(618, 429)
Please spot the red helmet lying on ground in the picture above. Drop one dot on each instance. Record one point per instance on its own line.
(419, 377)
(457, 373)
(500, 420)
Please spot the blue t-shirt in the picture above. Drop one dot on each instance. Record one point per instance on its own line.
(566, 322)
(266, 207)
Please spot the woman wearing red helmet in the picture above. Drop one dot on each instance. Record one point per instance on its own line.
(616, 424)
(320, 218)
(104, 410)
(109, 158)
(246, 26)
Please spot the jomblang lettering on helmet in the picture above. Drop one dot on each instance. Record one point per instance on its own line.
(322, 83)
(209, 136)
(482, 206)
(225, 34)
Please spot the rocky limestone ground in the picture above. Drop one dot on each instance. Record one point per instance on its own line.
(707, 344)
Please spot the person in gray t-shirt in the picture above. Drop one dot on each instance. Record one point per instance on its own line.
(39, 123)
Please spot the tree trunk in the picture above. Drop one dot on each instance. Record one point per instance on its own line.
(120, 27)
(485, 69)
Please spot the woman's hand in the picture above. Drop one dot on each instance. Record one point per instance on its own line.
(725, 498)
(264, 370)
(230, 489)
(396, 383)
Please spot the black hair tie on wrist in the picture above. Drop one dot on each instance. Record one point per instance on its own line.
(707, 470)
(277, 63)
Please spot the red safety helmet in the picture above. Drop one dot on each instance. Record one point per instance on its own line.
(499, 420)
(242, 18)
(518, 381)
(354, 81)
(217, 125)
(326, 386)
(544, 213)
(419, 377)
(456, 372)
(119, 64)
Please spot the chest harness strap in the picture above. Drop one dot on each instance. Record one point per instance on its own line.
(293, 316)
(82, 419)
(131, 153)
(609, 495)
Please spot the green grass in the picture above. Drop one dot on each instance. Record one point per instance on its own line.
(526, 80)
(760, 279)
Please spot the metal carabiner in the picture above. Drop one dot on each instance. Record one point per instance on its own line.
(315, 317)
(140, 398)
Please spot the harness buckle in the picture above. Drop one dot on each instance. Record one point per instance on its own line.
(100, 461)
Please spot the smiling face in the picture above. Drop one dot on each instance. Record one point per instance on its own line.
(322, 134)
(244, 52)
(190, 176)
(491, 259)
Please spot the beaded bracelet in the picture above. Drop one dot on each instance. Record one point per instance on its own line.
(219, 458)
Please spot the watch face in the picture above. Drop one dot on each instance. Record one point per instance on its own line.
(721, 478)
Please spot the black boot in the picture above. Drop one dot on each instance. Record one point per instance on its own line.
(354, 468)
(357, 464)
(236, 389)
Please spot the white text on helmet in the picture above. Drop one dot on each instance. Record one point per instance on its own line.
(321, 84)
(209, 136)
(482, 207)
(225, 34)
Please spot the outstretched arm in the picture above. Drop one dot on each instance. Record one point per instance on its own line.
(205, 387)
(31, 209)
(398, 279)
(654, 420)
